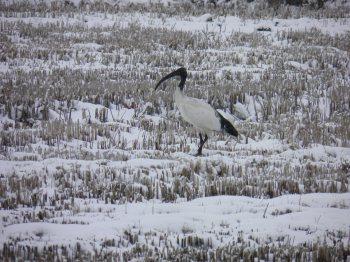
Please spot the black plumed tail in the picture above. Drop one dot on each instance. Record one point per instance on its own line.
(227, 126)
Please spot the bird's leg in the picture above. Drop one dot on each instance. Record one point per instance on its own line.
(202, 142)
(199, 152)
(201, 138)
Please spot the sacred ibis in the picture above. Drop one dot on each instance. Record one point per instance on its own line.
(199, 113)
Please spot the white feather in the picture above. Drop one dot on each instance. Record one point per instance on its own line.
(197, 112)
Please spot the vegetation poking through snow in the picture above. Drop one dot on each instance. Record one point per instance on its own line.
(84, 136)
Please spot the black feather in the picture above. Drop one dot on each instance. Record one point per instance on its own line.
(227, 126)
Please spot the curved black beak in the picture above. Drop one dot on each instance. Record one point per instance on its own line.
(179, 72)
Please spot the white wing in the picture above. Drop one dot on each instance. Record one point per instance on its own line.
(200, 114)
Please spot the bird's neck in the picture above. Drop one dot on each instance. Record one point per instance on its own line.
(178, 96)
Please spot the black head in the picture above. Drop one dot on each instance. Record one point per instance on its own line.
(179, 72)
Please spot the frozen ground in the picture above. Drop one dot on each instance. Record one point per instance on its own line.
(221, 220)
(94, 164)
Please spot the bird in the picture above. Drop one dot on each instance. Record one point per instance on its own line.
(199, 113)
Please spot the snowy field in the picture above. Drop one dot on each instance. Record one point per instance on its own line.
(94, 164)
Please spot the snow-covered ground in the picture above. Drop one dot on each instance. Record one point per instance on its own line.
(291, 218)
(94, 161)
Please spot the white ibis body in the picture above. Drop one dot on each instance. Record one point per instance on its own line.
(197, 112)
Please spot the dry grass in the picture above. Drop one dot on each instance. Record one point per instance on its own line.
(122, 73)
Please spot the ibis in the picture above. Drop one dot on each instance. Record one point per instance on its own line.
(198, 112)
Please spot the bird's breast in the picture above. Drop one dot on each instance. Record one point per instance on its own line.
(197, 112)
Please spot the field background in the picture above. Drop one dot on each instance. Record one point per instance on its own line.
(94, 164)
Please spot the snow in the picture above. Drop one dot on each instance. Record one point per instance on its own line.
(223, 25)
(89, 46)
(321, 153)
(122, 158)
(302, 218)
